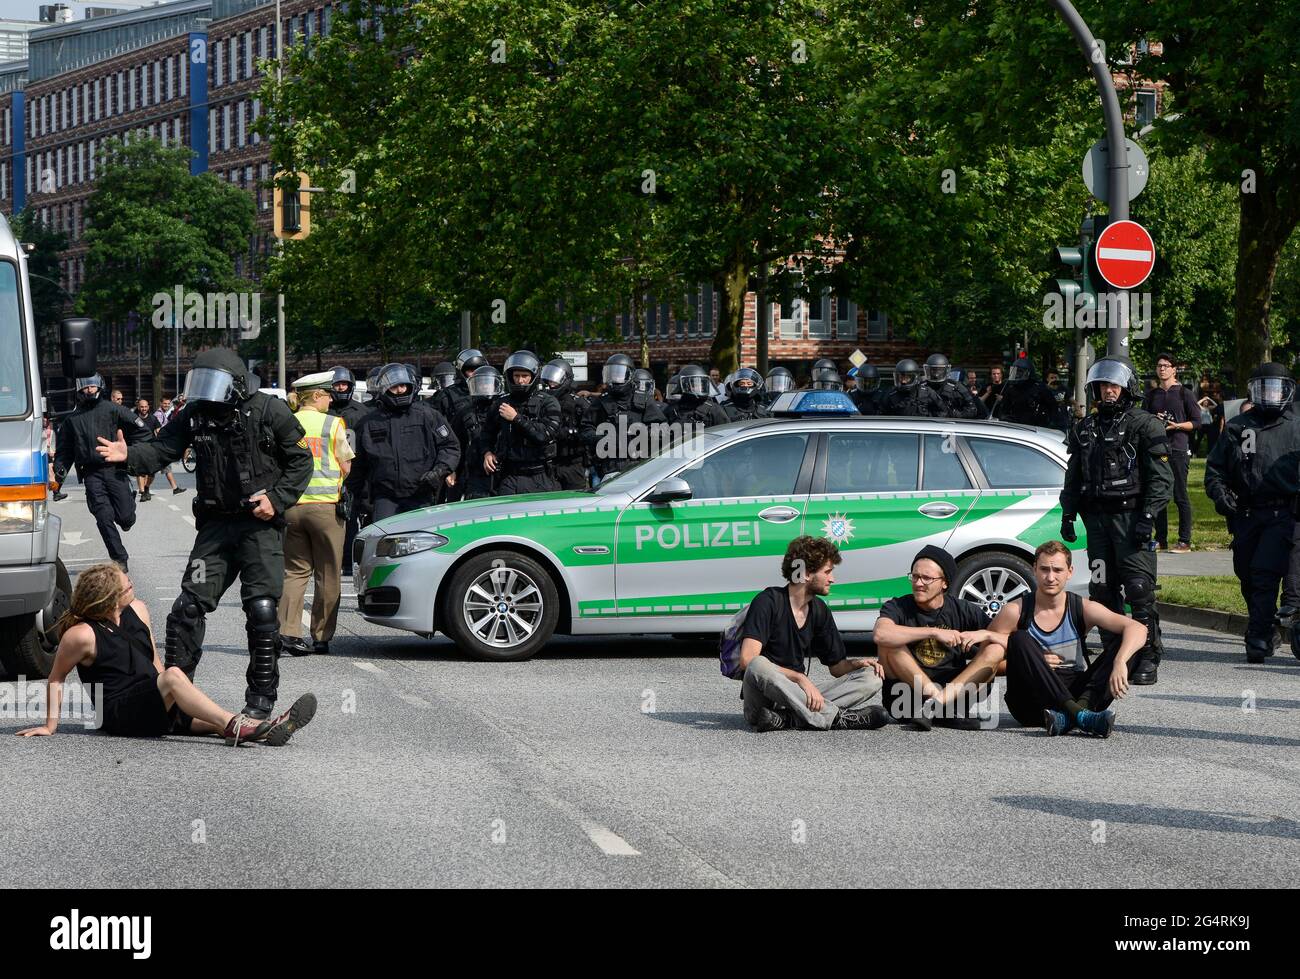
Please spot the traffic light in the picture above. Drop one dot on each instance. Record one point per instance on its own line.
(1078, 292)
(292, 205)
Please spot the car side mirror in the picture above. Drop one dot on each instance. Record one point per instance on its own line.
(77, 342)
(668, 490)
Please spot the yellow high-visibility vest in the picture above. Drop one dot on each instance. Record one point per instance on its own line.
(326, 476)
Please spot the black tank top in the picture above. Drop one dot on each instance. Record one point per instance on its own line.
(123, 653)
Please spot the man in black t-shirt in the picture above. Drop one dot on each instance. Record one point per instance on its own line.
(936, 649)
(784, 628)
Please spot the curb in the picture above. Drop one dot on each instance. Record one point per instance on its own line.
(1231, 623)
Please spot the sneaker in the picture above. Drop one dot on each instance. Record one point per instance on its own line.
(868, 719)
(59, 496)
(924, 718)
(1097, 723)
(299, 715)
(244, 728)
(1161, 546)
(145, 497)
(1056, 722)
(773, 720)
(320, 648)
(959, 723)
(178, 490)
(295, 646)
(1182, 547)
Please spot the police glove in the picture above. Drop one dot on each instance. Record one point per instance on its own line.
(1142, 529)
(1067, 528)
(1226, 505)
(434, 477)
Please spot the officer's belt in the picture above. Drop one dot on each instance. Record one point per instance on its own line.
(509, 470)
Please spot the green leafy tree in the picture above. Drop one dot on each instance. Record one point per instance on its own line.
(49, 298)
(153, 227)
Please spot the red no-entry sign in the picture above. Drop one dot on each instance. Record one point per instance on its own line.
(1125, 254)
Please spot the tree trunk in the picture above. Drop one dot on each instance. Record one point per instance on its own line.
(731, 286)
(157, 352)
(638, 314)
(1263, 230)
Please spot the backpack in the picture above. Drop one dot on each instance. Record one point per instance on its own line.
(729, 646)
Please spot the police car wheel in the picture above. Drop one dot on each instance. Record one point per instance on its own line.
(501, 606)
(993, 579)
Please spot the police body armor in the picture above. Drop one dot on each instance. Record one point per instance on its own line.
(569, 449)
(512, 448)
(235, 457)
(607, 412)
(1110, 469)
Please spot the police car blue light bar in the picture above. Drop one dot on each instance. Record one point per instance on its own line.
(797, 404)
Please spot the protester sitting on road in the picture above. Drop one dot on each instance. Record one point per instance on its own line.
(1050, 682)
(106, 635)
(785, 626)
(925, 639)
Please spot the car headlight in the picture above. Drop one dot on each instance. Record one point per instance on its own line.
(18, 517)
(400, 545)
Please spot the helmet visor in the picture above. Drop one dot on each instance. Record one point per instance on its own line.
(936, 372)
(1109, 372)
(486, 384)
(93, 381)
(616, 374)
(779, 384)
(866, 383)
(1271, 392)
(645, 383)
(553, 375)
(395, 374)
(698, 385)
(1019, 372)
(210, 384)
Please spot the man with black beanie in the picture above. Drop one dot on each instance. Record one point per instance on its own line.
(937, 650)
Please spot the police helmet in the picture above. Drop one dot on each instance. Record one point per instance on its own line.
(779, 381)
(486, 382)
(557, 376)
(1113, 370)
(744, 385)
(937, 368)
(393, 376)
(673, 389)
(826, 379)
(643, 381)
(907, 374)
(868, 378)
(219, 378)
(694, 380)
(825, 362)
(446, 374)
(1270, 388)
(340, 396)
(617, 374)
(469, 360)
(525, 361)
(1022, 369)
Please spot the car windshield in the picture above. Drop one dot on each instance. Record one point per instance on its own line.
(667, 458)
(13, 365)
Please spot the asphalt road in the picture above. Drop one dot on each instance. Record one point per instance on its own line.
(627, 763)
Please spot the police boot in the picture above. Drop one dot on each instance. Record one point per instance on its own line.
(1295, 639)
(183, 643)
(263, 675)
(1285, 614)
(1258, 649)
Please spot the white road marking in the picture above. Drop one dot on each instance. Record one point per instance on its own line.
(173, 506)
(188, 519)
(413, 700)
(609, 842)
(368, 667)
(72, 538)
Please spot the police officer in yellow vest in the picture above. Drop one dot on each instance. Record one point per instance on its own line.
(313, 543)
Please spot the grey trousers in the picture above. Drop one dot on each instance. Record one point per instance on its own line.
(765, 687)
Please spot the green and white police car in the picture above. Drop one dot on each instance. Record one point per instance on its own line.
(678, 543)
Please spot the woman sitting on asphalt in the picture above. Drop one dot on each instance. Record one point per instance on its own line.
(106, 635)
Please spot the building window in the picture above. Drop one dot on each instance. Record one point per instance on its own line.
(325, 13)
(846, 318)
(1146, 106)
(262, 50)
(792, 318)
(216, 64)
(819, 324)
(226, 128)
(157, 81)
(250, 67)
(877, 325)
(232, 58)
(121, 93)
(182, 69)
(212, 130)
(176, 131)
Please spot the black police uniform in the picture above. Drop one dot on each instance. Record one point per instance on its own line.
(957, 400)
(1028, 402)
(404, 455)
(1117, 478)
(108, 487)
(614, 424)
(352, 412)
(692, 409)
(736, 411)
(450, 402)
(1253, 479)
(570, 450)
(525, 448)
(917, 401)
(472, 482)
(868, 402)
(257, 445)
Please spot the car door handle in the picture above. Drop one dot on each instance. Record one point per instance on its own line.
(937, 510)
(778, 514)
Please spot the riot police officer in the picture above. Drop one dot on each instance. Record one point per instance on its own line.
(405, 448)
(867, 396)
(1026, 400)
(672, 396)
(617, 426)
(957, 400)
(444, 373)
(372, 379)
(696, 405)
(343, 405)
(471, 481)
(449, 399)
(743, 391)
(909, 396)
(779, 381)
(252, 465)
(826, 377)
(643, 382)
(570, 451)
(521, 429)
(108, 488)
(1117, 478)
(1253, 478)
